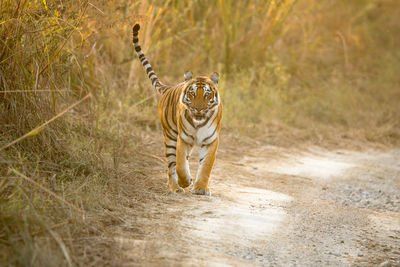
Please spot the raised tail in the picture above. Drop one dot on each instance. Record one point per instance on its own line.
(150, 72)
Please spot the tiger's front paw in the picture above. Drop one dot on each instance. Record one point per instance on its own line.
(184, 182)
(205, 192)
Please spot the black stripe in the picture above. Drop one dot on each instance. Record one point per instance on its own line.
(184, 131)
(202, 159)
(166, 114)
(166, 117)
(148, 70)
(188, 118)
(144, 62)
(214, 118)
(184, 128)
(213, 105)
(168, 146)
(137, 48)
(170, 154)
(173, 130)
(166, 111)
(141, 57)
(170, 134)
(171, 163)
(170, 137)
(135, 39)
(167, 127)
(174, 109)
(209, 118)
(153, 79)
(206, 121)
(151, 75)
(210, 135)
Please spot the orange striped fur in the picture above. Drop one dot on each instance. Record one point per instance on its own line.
(190, 114)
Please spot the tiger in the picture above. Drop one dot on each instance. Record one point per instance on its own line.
(191, 115)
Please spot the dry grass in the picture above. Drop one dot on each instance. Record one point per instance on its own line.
(308, 71)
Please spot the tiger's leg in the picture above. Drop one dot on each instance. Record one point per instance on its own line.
(182, 163)
(207, 158)
(170, 153)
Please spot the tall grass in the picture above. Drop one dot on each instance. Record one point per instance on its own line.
(329, 67)
(41, 74)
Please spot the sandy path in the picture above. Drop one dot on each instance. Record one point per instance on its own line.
(278, 207)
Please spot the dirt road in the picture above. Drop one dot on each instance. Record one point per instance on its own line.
(278, 207)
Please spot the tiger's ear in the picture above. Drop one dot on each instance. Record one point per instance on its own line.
(214, 77)
(188, 75)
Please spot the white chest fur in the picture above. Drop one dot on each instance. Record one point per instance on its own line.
(204, 135)
(199, 132)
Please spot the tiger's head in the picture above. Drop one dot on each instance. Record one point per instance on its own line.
(200, 94)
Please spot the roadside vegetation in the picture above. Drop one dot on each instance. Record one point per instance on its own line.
(78, 115)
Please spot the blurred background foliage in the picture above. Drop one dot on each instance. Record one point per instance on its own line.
(329, 68)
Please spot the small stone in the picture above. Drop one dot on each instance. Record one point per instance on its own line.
(360, 254)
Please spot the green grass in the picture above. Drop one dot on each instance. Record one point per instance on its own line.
(326, 69)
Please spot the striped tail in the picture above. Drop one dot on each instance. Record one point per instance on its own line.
(150, 72)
